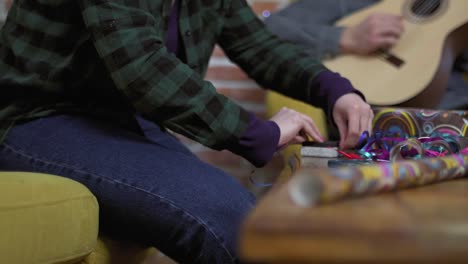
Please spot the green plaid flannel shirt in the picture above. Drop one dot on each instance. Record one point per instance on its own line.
(108, 57)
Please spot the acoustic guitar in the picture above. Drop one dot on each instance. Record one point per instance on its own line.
(415, 72)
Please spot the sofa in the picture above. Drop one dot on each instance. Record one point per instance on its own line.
(51, 219)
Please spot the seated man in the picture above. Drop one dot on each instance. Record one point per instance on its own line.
(310, 24)
(89, 90)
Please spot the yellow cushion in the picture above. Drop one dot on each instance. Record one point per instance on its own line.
(45, 219)
(109, 251)
(275, 101)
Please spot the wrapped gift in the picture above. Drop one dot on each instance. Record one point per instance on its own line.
(414, 122)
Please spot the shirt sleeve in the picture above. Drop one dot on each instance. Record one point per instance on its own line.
(321, 41)
(259, 142)
(310, 24)
(129, 40)
(331, 86)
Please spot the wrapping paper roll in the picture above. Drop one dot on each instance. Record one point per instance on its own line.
(317, 186)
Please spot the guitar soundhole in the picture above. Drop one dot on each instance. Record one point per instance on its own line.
(419, 11)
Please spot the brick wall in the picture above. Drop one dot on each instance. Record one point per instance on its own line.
(230, 80)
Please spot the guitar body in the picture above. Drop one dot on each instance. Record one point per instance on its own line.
(417, 73)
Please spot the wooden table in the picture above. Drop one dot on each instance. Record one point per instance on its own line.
(424, 225)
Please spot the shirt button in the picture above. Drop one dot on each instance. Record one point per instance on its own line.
(188, 33)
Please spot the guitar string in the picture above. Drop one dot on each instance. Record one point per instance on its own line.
(412, 11)
(425, 8)
(417, 19)
(418, 4)
(432, 6)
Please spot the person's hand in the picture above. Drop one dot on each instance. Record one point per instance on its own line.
(295, 127)
(352, 116)
(377, 31)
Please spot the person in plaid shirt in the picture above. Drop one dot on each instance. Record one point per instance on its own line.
(90, 88)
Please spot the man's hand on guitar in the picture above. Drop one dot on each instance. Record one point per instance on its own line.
(352, 116)
(377, 31)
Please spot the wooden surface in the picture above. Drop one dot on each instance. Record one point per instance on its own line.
(425, 225)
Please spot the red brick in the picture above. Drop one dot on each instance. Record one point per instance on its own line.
(8, 3)
(254, 94)
(226, 73)
(259, 7)
(218, 52)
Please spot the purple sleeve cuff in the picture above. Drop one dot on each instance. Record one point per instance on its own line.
(330, 86)
(259, 141)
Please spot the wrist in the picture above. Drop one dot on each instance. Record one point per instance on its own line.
(259, 142)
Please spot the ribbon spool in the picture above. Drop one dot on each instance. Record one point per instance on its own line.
(397, 150)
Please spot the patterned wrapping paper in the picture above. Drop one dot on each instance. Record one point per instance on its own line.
(420, 122)
(317, 186)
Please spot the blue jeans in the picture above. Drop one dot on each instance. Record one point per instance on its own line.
(151, 189)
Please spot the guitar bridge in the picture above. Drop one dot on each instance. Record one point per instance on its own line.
(392, 59)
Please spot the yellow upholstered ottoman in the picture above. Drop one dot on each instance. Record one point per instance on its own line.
(45, 219)
(51, 219)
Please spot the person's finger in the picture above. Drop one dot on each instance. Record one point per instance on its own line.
(352, 137)
(364, 121)
(392, 31)
(311, 128)
(342, 129)
(299, 139)
(386, 42)
(369, 125)
(312, 133)
(387, 25)
(295, 127)
(303, 135)
(367, 118)
(371, 120)
(391, 19)
(307, 127)
(400, 27)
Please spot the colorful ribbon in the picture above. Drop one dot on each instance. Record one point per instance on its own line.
(382, 146)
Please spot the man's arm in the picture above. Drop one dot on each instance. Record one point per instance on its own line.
(287, 69)
(310, 24)
(128, 38)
